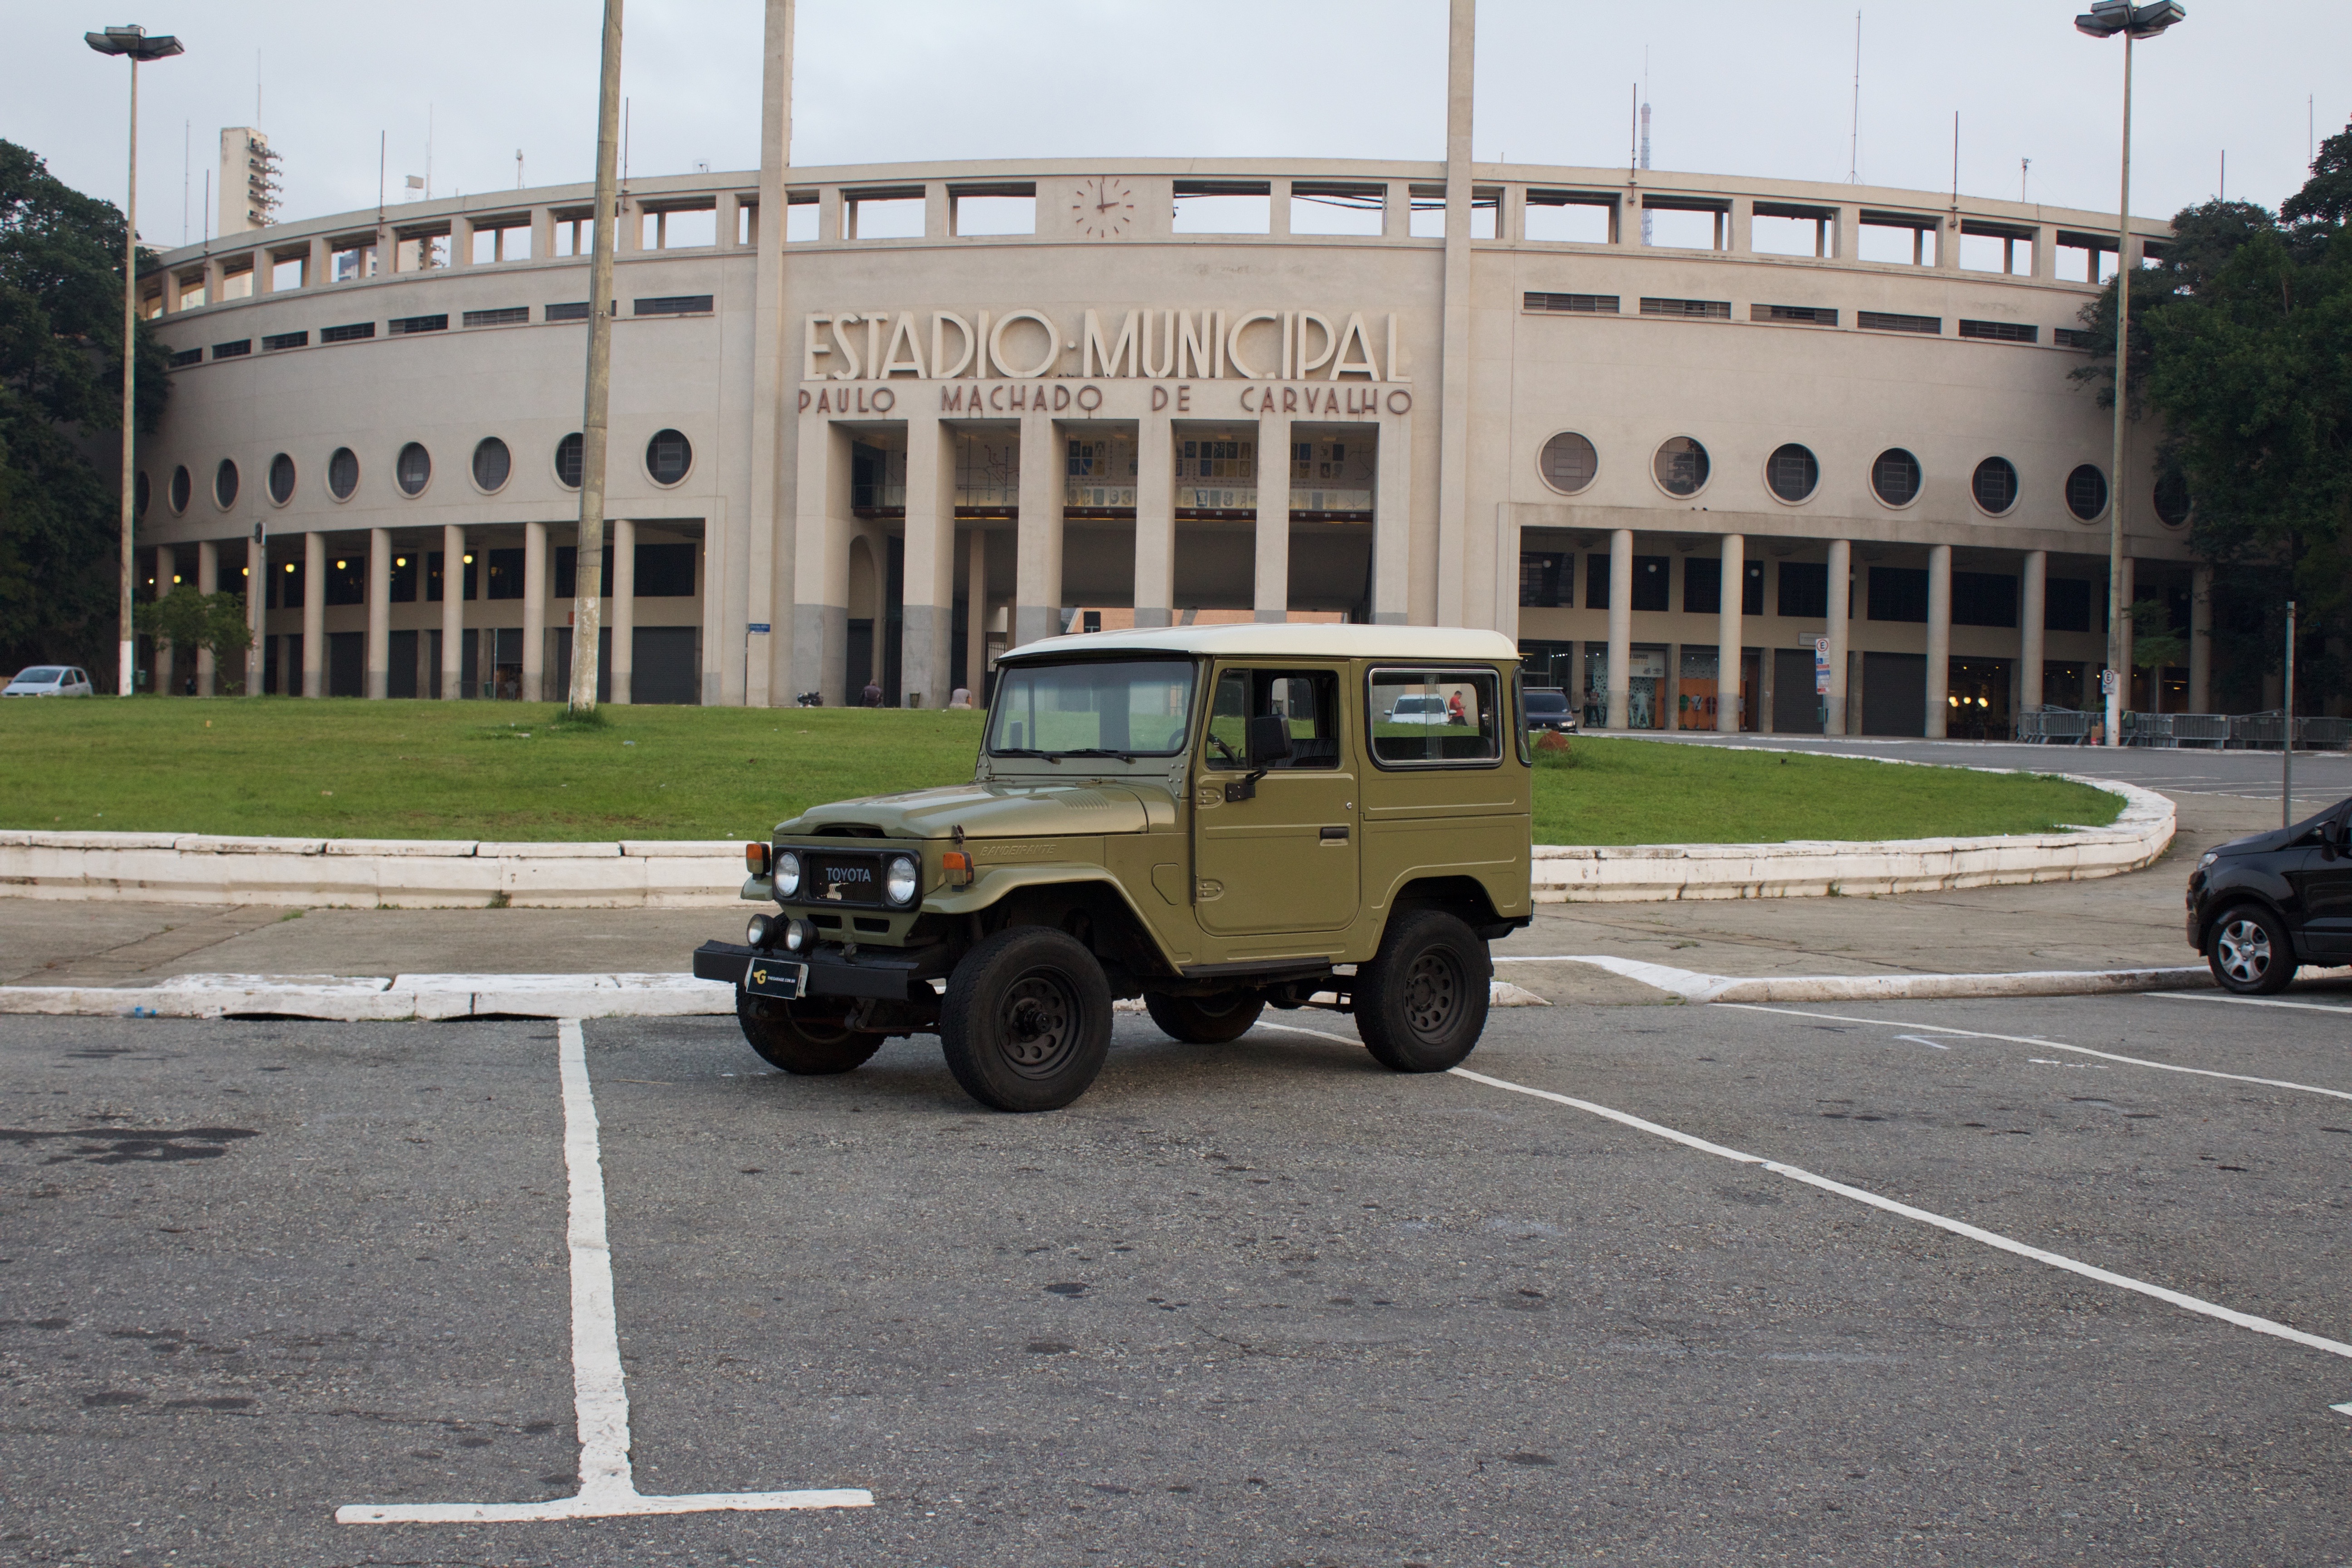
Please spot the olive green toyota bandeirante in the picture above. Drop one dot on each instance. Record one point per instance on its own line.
(1217, 820)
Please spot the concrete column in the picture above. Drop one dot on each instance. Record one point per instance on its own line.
(379, 614)
(1841, 594)
(2124, 639)
(1453, 401)
(819, 573)
(314, 614)
(207, 582)
(1939, 640)
(1155, 522)
(1621, 621)
(1271, 600)
(877, 628)
(1392, 522)
(2032, 606)
(1037, 585)
(1396, 210)
(623, 616)
(1741, 222)
(535, 612)
(461, 243)
(320, 266)
(2201, 639)
(158, 679)
(975, 612)
(1277, 209)
(926, 653)
(1727, 634)
(453, 612)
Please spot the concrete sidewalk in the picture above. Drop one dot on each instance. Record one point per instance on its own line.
(2130, 922)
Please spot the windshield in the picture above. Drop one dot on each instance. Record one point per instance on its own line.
(1546, 702)
(1107, 708)
(39, 677)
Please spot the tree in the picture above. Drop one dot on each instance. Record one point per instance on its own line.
(2242, 345)
(60, 397)
(213, 623)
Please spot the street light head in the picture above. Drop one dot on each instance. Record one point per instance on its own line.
(133, 41)
(2108, 17)
(2147, 21)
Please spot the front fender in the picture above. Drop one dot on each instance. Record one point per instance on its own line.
(997, 882)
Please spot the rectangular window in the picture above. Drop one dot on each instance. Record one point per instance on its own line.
(1898, 594)
(1223, 207)
(1308, 699)
(1573, 304)
(1801, 315)
(1983, 599)
(290, 586)
(289, 272)
(356, 331)
(1560, 217)
(800, 217)
(1900, 238)
(1702, 585)
(403, 579)
(896, 213)
(1422, 718)
(1694, 310)
(2066, 605)
(1546, 578)
(403, 326)
(2002, 332)
(232, 350)
(570, 311)
(347, 580)
(680, 228)
(1804, 590)
(1336, 208)
(512, 316)
(676, 305)
(506, 573)
(665, 571)
(992, 209)
(1683, 229)
(276, 340)
(433, 578)
(1596, 581)
(1751, 588)
(186, 357)
(2073, 337)
(1651, 575)
(567, 571)
(1779, 229)
(1886, 321)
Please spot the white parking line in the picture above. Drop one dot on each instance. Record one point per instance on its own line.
(2045, 1045)
(2251, 1001)
(600, 1393)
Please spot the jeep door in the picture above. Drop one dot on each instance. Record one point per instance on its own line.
(1283, 859)
(1444, 799)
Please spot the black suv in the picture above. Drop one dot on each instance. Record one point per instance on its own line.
(2261, 905)
(1548, 709)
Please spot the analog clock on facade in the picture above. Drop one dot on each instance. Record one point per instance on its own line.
(1104, 208)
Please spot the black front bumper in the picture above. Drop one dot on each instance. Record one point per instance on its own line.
(887, 975)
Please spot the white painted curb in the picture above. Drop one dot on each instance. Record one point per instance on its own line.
(1692, 986)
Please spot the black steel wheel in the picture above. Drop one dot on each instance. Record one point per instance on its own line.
(1421, 1002)
(2249, 951)
(795, 1037)
(1206, 1020)
(1026, 1022)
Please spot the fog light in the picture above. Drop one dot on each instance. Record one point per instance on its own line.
(899, 883)
(799, 936)
(758, 931)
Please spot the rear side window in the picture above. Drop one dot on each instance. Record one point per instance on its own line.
(1436, 717)
(1309, 699)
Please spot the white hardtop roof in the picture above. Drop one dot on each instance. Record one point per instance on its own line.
(1279, 640)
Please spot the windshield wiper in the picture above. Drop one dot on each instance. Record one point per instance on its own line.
(1053, 757)
(1095, 752)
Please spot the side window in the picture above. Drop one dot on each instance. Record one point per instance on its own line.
(1434, 717)
(1308, 698)
(1519, 713)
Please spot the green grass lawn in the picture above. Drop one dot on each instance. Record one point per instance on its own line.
(346, 768)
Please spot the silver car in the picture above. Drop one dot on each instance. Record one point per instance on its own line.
(50, 680)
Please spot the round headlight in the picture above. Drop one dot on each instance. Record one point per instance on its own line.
(899, 886)
(788, 873)
(758, 930)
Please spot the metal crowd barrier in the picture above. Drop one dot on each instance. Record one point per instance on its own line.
(2263, 732)
(2053, 726)
(2176, 729)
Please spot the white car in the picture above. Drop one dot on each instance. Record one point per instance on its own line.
(50, 680)
(1418, 710)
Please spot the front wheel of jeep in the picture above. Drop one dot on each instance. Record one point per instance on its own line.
(1026, 1022)
(1206, 1020)
(790, 1036)
(1421, 1002)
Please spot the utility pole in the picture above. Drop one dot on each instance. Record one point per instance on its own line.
(2286, 733)
(588, 555)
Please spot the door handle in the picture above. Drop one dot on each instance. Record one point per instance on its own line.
(1334, 835)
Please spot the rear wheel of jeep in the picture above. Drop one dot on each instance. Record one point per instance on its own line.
(1206, 1020)
(1027, 1020)
(1421, 1002)
(790, 1036)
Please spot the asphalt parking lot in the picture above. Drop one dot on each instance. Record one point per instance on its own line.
(1255, 1304)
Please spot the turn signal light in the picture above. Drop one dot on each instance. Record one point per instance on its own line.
(755, 859)
(957, 866)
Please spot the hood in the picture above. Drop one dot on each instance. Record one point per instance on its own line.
(1000, 811)
(2262, 843)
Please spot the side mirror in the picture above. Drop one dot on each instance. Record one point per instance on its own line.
(2331, 834)
(1269, 740)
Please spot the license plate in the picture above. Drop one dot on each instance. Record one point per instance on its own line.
(768, 977)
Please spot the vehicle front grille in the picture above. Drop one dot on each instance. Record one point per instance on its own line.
(841, 877)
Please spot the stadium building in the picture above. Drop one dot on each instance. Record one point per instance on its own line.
(880, 422)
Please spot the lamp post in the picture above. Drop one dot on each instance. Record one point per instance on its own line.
(134, 42)
(2105, 19)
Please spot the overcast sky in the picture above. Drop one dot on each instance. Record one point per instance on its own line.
(1762, 87)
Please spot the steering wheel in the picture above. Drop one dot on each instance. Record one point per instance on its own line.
(1229, 755)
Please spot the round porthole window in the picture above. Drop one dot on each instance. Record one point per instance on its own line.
(567, 461)
(1681, 467)
(492, 463)
(141, 493)
(2086, 492)
(281, 479)
(1792, 471)
(225, 484)
(1568, 462)
(1895, 476)
(342, 473)
(413, 469)
(182, 488)
(1994, 485)
(2172, 504)
(668, 456)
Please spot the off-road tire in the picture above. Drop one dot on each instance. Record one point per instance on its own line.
(1205, 1020)
(791, 1036)
(2249, 951)
(1026, 1022)
(1421, 1002)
